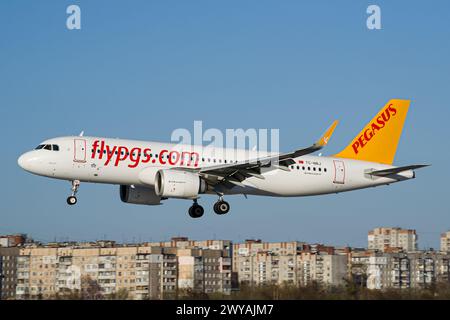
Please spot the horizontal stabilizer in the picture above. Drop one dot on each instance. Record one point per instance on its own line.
(390, 171)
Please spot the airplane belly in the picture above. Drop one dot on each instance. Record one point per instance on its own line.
(288, 184)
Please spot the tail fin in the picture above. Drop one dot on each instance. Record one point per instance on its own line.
(378, 141)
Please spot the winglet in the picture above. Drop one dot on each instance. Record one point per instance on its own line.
(323, 141)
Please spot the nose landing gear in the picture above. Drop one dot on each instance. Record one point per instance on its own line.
(71, 200)
(196, 210)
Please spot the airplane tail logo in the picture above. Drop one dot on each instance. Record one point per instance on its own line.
(378, 141)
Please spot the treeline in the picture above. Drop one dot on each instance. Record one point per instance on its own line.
(314, 291)
(350, 291)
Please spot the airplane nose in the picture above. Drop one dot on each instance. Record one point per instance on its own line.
(21, 161)
(24, 161)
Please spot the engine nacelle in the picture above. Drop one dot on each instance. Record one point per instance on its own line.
(179, 184)
(139, 195)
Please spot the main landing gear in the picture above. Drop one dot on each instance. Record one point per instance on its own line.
(196, 210)
(220, 207)
(71, 200)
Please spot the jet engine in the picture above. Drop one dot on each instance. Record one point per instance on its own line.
(179, 184)
(139, 195)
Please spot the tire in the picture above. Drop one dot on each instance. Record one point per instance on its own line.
(221, 207)
(71, 200)
(196, 211)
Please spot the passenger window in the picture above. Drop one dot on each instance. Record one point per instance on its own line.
(314, 169)
(303, 168)
(309, 168)
(298, 167)
(325, 169)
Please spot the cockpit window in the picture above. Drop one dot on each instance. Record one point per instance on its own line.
(53, 147)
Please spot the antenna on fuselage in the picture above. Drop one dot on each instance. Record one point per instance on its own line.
(81, 133)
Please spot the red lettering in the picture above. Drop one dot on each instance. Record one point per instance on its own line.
(362, 142)
(392, 109)
(189, 156)
(381, 122)
(375, 128)
(368, 134)
(161, 156)
(174, 156)
(197, 158)
(147, 155)
(109, 154)
(94, 148)
(355, 147)
(102, 149)
(122, 154)
(386, 115)
(135, 157)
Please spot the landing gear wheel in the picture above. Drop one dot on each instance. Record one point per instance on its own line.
(71, 200)
(221, 207)
(196, 211)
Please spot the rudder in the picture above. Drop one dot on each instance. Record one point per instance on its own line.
(378, 141)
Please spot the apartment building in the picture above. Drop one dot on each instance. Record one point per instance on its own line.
(266, 268)
(165, 270)
(401, 270)
(293, 263)
(163, 273)
(328, 269)
(445, 242)
(256, 262)
(207, 271)
(383, 239)
(104, 268)
(8, 272)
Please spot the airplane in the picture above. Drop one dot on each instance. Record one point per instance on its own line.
(150, 172)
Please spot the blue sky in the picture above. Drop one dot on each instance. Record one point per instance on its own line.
(140, 69)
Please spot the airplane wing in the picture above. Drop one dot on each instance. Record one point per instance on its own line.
(390, 171)
(234, 173)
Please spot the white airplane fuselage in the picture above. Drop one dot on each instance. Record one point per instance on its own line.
(105, 160)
